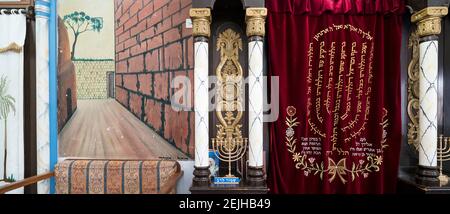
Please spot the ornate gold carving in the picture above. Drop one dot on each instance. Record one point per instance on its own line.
(429, 12)
(201, 20)
(430, 26)
(11, 47)
(255, 18)
(339, 169)
(229, 143)
(429, 20)
(413, 91)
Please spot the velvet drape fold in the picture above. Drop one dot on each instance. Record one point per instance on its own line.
(348, 7)
(338, 62)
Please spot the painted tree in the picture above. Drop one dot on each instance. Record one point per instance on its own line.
(6, 106)
(79, 23)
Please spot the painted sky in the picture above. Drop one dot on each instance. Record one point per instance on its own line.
(92, 45)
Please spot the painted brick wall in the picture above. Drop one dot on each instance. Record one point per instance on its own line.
(92, 78)
(152, 47)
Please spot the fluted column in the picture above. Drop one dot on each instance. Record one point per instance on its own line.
(428, 22)
(42, 9)
(255, 18)
(201, 18)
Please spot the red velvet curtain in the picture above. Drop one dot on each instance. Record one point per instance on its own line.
(338, 62)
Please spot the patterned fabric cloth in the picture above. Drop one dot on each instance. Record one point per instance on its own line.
(114, 177)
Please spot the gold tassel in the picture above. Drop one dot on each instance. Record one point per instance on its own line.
(11, 47)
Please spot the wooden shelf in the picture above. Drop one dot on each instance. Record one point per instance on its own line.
(407, 184)
(229, 189)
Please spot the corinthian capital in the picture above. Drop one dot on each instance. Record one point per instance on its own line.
(201, 20)
(429, 20)
(255, 18)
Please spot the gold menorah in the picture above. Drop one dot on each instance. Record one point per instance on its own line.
(230, 150)
(229, 145)
(443, 153)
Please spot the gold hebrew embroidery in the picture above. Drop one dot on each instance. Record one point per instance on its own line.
(334, 169)
(339, 75)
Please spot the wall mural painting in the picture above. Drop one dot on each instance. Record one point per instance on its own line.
(7, 107)
(107, 107)
(12, 162)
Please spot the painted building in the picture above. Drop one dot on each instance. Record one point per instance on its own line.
(67, 88)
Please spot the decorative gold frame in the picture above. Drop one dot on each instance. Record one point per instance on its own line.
(229, 142)
(413, 91)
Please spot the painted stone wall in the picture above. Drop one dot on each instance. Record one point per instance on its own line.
(153, 46)
(92, 78)
(90, 45)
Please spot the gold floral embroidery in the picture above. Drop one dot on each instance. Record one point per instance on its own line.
(337, 169)
(334, 170)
